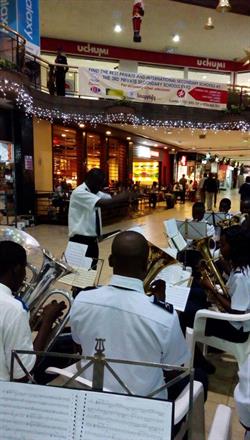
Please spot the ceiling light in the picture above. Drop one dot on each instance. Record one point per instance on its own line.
(204, 77)
(66, 130)
(63, 135)
(209, 24)
(155, 145)
(128, 138)
(172, 149)
(169, 132)
(165, 148)
(223, 6)
(81, 125)
(108, 133)
(117, 28)
(145, 142)
(176, 38)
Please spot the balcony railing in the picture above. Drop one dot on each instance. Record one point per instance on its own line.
(13, 55)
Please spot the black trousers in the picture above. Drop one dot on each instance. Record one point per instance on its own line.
(224, 330)
(91, 242)
(60, 84)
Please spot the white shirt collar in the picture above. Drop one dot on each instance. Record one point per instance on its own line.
(127, 283)
(5, 290)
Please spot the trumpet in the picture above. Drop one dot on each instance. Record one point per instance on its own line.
(210, 271)
(235, 220)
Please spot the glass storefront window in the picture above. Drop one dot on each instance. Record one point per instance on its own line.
(201, 75)
(243, 79)
(64, 156)
(93, 150)
(146, 172)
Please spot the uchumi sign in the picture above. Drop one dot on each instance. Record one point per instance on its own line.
(92, 50)
(211, 64)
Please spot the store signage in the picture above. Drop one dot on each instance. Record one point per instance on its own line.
(137, 87)
(183, 161)
(23, 16)
(86, 49)
(145, 152)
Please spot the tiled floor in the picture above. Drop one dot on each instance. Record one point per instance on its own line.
(222, 383)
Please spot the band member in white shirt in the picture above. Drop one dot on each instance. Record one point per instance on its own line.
(84, 220)
(198, 212)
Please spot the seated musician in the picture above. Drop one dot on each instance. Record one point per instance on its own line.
(225, 206)
(133, 327)
(235, 244)
(198, 212)
(15, 332)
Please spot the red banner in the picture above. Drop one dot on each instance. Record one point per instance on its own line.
(209, 95)
(121, 53)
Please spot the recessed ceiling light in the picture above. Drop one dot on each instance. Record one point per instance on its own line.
(66, 130)
(172, 149)
(165, 148)
(117, 28)
(155, 145)
(63, 135)
(108, 133)
(169, 132)
(128, 138)
(176, 38)
(81, 125)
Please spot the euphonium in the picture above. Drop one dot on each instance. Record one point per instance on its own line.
(235, 220)
(158, 260)
(211, 270)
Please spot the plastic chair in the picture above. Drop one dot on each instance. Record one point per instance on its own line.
(239, 350)
(181, 403)
(221, 426)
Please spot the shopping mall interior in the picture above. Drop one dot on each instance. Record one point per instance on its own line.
(156, 95)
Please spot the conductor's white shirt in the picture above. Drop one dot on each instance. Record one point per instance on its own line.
(133, 329)
(239, 290)
(82, 211)
(15, 334)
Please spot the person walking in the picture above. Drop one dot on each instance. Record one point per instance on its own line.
(183, 183)
(210, 188)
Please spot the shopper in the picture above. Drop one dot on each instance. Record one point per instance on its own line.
(210, 188)
(201, 188)
(245, 190)
(60, 72)
(183, 182)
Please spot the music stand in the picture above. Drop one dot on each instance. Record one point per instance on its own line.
(213, 218)
(99, 363)
(191, 230)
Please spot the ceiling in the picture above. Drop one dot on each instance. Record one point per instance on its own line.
(237, 6)
(93, 21)
(231, 144)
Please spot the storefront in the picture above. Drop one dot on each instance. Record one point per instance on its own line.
(77, 150)
(150, 165)
(7, 179)
(189, 164)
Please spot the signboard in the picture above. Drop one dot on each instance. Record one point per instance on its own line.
(28, 23)
(92, 50)
(23, 17)
(137, 87)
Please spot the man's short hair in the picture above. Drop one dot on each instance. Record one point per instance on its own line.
(11, 255)
(248, 179)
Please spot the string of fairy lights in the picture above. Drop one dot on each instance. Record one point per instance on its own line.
(25, 101)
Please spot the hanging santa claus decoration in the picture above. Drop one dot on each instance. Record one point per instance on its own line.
(138, 13)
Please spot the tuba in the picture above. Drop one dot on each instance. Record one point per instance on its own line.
(37, 291)
(211, 271)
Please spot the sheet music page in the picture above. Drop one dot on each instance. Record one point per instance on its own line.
(179, 242)
(75, 255)
(171, 227)
(33, 412)
(178, 296)
(81, 278)
(110, 416)
(172, 252)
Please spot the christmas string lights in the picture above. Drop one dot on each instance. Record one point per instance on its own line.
(25, 101)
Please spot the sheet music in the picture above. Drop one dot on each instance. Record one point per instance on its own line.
(192, 230)
(178, 296)
(81, 278)
(75, 255)
(174, 274)
(171, 227)
(33, 412)
(172, 252)
(175, 238)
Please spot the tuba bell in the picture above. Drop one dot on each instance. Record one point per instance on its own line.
(210, 270)
(158, 260)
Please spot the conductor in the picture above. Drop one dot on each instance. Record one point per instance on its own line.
(85, 223)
